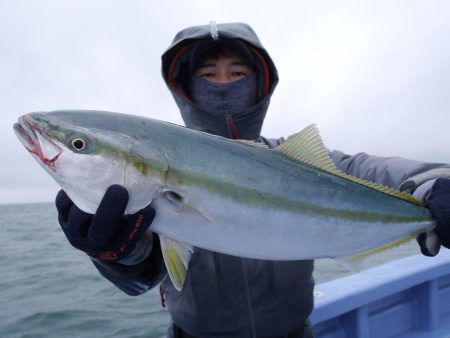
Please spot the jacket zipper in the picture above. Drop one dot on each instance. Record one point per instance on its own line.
(249, 301)
(271, 278)
(233, 132)
(220, 279)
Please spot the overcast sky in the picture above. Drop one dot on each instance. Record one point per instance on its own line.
(373, 75)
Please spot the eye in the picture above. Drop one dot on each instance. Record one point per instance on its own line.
(78, 144)
(207, 75)
(239, 74)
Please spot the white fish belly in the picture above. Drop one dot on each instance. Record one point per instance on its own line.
(226, 226)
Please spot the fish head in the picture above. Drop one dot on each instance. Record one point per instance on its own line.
(86, 151)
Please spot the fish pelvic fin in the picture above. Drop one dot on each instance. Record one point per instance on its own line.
(355, 262)
(308, 148)
(176, 258)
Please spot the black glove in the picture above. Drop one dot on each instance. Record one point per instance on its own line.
(108, 235)
(438, 201)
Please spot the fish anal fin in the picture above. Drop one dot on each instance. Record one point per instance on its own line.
(176, 258)
(308, 148)
(355, 262)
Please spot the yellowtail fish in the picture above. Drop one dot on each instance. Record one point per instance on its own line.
(233, 197)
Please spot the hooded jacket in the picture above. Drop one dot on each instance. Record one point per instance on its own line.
(226, 296)
(176, 72)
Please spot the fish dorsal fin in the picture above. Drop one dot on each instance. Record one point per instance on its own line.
(308, 148)
(252, 143)
(176, 257)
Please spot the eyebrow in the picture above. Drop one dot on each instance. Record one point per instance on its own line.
(234, 63)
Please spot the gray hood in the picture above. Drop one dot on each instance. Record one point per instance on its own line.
(244, 124)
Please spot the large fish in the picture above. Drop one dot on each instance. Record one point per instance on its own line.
(237, 198)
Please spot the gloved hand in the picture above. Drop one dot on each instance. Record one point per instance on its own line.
(108, 235)
(438, 201)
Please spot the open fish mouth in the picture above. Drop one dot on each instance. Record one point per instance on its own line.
(35, 140)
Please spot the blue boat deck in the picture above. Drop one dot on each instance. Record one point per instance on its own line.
(409, 297)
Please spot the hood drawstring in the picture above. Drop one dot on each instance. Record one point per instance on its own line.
(214, 30)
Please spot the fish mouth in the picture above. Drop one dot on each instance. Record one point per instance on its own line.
(36, 141)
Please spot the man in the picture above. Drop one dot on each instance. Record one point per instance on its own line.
(222, 79)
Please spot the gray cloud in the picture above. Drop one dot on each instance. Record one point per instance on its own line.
(374, 77)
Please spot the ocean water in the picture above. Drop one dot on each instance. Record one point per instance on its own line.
(49, 289)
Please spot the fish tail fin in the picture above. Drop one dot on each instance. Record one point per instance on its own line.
(176, 258)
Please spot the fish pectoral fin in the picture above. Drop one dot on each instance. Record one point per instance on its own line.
(178, 203)
(176, 258)
(354, 263)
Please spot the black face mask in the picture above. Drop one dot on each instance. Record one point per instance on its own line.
(220, 98)
(231, 110)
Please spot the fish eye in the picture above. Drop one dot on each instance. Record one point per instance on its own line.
(78, 143)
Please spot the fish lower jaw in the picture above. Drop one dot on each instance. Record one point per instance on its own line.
(50, 163)
(43, 149)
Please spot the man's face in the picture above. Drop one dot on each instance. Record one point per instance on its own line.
(224, 69)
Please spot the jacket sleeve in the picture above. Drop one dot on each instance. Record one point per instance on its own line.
(399, 173)
(136, 279)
